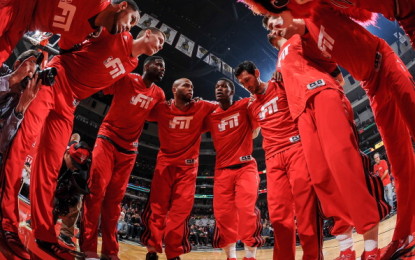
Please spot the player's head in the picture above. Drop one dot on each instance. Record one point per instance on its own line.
(376, 156)
(282, 26)
(154, 68)
(224, 90)
(266, 7)
(248, 75)
(122, 15)
(183, 89)
(77, 156)
(153, 39)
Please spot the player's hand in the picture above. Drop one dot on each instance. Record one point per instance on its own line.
(28, 94)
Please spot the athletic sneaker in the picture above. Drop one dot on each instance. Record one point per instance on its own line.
(15, 245)
(396, 248)
(248, 258)
(371, 255)
(66, 240)
(231, 258)
(174, 258)
(347, 254)
(152, 256)
(57, 251)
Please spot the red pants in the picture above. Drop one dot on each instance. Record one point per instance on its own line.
(336, 168)
(235, 194)
(168, 210)
(15, 19)
(109, 176)
(392, 96)
(290, 194)
(49, 118)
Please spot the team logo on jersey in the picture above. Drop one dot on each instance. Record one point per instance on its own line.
(64, 21)
(182, 122)
(245, 158)
(316, 84)
(75, 102)
(325, 42)
(269, 108)
(231, 121)
(142, 99)
(295, 138)
(116, 65)
(281, 56)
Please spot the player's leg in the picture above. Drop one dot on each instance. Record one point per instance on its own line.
(182, 197)
(111, 206)
(158, 205)
(309, 223)
(324, 184)
(52, 145)
(250, 225)
(100, 175)
(280, 208)
(224, 209)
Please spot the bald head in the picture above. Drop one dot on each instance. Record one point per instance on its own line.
(183, 89)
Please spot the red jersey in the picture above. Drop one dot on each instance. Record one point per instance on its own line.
(385, 7)
(231, 131)
(67, 18)
(98, 64)
(305, 72)
(346, 42)
(379, 169)
(131, 104)
(271, 112)
(179, 131)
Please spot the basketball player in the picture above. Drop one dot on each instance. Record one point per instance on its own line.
(180, 123)
(288, 181)
(115, 152)
(313, 98)
(236, 180)
(97, 65)
(389, 86)
(73, 20)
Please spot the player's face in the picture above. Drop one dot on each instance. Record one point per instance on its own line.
(377, 158)
(156, 69)
(249, 81)
(154, 42)
(124, 19)
(223, 91)
(184, 90)
(280, 21)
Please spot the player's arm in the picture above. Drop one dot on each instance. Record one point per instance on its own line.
(255, 132)
(385, 174)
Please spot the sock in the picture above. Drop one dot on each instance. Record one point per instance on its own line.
(345, 240)
(250, 252)
(230, 250)
(370, 245)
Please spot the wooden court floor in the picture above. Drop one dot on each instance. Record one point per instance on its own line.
(330, 251)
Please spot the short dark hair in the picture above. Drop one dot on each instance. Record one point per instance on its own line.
(265, 21)
(131, 3)
(270, 7)
(24, 55)
(247, 66)
(153, 30)
(230, 83)
(152, 58)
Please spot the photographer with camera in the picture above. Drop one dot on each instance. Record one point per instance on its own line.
(72, 185)
(17, 91)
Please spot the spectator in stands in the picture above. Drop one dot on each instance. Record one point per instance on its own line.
(122, 226)
(381, 169)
